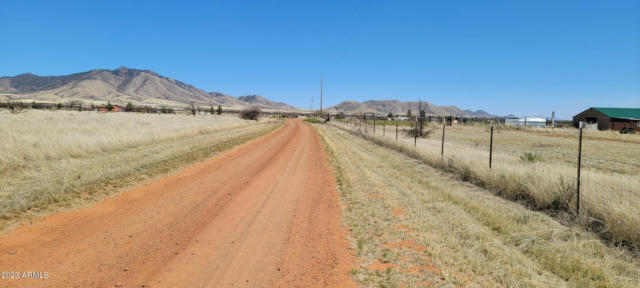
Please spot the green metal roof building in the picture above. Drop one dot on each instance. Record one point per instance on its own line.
(609, 118)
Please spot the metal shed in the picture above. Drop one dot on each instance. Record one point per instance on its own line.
(609, 118)
(526, 121)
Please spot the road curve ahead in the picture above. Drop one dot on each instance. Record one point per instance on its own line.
(265, 214)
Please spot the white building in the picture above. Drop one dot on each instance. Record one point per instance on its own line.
(536, 121)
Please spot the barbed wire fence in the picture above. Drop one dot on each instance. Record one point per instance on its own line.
(609, 185)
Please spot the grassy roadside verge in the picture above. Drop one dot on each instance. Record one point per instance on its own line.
(415, 226)
(50, 185)
(613, 222)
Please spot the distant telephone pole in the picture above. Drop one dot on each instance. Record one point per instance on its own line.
(321, 80)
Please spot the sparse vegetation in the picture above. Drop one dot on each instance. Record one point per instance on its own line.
(44, 165)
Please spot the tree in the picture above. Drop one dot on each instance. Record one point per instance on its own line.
(340, 115)
(109, 106)
(34, 105)
(59, 106)
(219, 109)
(129, 107)
(251, 114)
(211, 110)
(16, 107)
(193, 109)
(390, 116)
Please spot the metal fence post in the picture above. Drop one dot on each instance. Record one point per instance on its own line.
(415, 134)
(374, 122)
(396, 130)
(366, 125)
(444, 124)
(384, 126)
(579, 164)
(491, 146)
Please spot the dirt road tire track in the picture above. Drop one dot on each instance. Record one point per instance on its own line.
(265, 214)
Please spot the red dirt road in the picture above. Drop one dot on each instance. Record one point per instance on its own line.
(265, 214)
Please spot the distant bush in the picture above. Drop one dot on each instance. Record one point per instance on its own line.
(314, 120)
(251, 114)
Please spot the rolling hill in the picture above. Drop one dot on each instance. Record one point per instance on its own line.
(123, 85)
(400, 107)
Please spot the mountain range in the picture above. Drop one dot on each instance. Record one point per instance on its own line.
(145, 87)
(123, 85)
(401, 108)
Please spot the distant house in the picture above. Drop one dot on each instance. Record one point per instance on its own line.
(609, 118)
(526, 121)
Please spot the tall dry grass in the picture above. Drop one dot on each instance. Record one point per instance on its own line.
(59, 158)
(610, 188)
(470, 237)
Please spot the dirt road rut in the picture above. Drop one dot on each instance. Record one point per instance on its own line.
(265, 214)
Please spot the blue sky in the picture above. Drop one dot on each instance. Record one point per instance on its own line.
(520, 57)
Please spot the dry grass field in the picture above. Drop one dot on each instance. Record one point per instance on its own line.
(538, 166)
(51, 160)
(413, 225)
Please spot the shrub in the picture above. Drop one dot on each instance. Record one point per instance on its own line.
(421, 134)
(251, 114)
(530, 157)
(314, 120)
